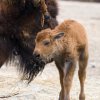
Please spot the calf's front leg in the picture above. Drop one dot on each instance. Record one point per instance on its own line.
(66, 72)
(61, 75)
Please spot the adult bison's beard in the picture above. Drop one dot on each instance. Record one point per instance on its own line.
(30, 65)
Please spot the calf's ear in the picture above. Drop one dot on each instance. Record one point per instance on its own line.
(58, 36)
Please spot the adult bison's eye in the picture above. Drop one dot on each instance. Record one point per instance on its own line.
(46, 42)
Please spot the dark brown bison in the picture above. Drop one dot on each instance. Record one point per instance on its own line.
(20, 20)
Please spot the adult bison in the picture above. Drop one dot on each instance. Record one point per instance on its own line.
(20, 20)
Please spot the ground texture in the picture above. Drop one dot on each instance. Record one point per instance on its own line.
(46, 86)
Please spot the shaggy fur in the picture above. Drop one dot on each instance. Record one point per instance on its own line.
(66, 44)
(19, 23)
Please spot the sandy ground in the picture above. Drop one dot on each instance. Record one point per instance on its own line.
(46, 86)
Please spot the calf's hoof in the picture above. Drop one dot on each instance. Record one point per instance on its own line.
(82, 97)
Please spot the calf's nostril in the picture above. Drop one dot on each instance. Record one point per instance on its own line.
(36, 54)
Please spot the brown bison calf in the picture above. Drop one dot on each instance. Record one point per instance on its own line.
(66, 44)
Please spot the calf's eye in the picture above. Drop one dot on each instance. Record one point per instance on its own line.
(46, 43)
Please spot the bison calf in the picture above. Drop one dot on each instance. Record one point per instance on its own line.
(66, 44)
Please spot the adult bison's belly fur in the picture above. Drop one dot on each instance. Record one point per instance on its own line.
(19, 23)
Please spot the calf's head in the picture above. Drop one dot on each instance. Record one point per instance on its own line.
(48, 44)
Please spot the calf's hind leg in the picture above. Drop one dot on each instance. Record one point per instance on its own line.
(83, 59)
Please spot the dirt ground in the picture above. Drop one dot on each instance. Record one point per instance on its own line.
(46, 86)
